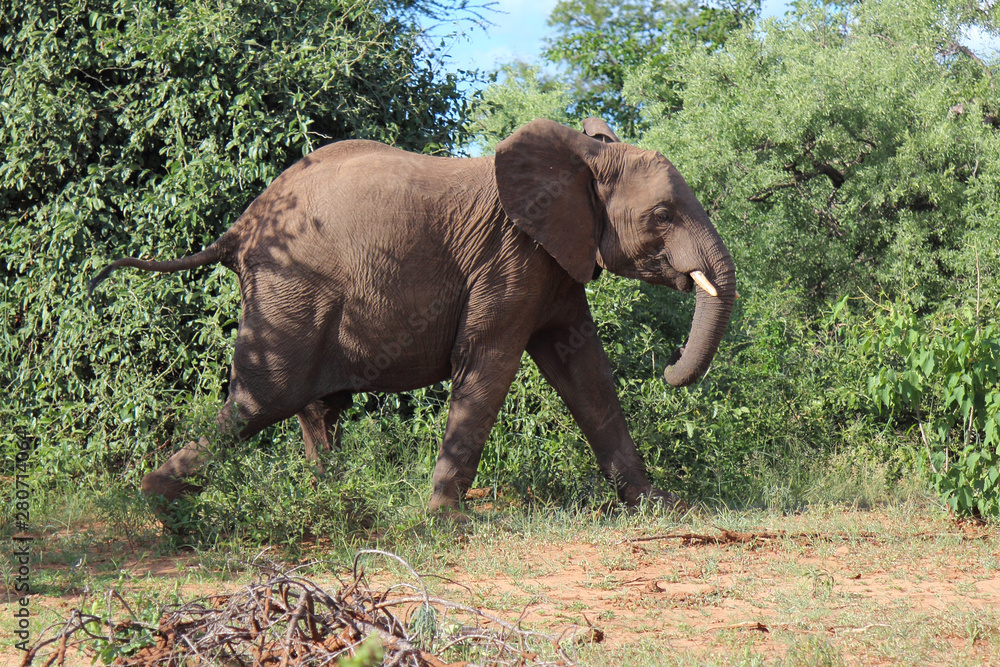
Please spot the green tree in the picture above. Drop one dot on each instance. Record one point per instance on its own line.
(596, 46)
(600, 42)
(518, 94)
(145, 128)
(848, 146)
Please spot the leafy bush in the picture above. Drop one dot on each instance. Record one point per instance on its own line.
(272, 494)
(145, 128)
(847, 148)
(940, 374)
(783, 397)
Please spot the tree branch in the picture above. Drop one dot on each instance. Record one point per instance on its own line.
(954, 49)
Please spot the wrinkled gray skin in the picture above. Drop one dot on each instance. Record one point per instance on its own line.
(367, 268)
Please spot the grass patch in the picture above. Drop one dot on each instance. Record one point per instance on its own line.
(830, 585)
(818, 579)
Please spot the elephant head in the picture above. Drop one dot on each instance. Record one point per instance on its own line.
(598, 202)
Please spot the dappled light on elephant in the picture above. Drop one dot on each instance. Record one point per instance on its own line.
(364, 268)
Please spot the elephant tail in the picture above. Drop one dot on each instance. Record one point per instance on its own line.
(210, 255)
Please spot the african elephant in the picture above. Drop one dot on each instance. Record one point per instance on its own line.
(365, 268)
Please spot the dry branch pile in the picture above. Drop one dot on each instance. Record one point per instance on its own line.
(286, 620)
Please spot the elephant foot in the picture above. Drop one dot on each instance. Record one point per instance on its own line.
(666, 501)
(450, 516)
(163, 489)
(168, 483)
(442, 503)
(450, 510)
(450, 483)
(648, 495)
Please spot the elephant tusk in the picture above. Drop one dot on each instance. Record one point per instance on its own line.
(704, 283)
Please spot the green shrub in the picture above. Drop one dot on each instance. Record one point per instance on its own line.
(846, 148)
(784, 397)
(145, 128)
(939, 374)
(264, 491)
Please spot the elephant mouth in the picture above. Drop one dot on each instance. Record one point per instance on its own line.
(679, 281)
(665, 274)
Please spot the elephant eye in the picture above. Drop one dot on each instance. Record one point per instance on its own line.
(663, 214)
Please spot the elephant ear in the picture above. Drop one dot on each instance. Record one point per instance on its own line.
(544, 181)
(598, 129)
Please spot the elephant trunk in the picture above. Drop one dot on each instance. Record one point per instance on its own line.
(711, 316)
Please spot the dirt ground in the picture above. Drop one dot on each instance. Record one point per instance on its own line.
(935, 590)
(845, 588)
(700, 583)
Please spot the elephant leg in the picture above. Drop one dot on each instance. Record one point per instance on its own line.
(262, 391)
(320, 425)
(573, 361)
(170, 480)
(477, 395)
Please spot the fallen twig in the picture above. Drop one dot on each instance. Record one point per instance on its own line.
(724, 537)
(863, 628)
(754, 539)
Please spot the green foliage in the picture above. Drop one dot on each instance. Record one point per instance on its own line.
(848, 146)
(423, 625)
(368, 654)
(123, 639)
(941, 372)
(600, 42)
(145, 128)
(781, 401)
(271, 494)
(517, 95)
(597, 45)
(780, 398)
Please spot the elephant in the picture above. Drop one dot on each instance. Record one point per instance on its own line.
(366, 268)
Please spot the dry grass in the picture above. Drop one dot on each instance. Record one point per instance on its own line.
(900, 585)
